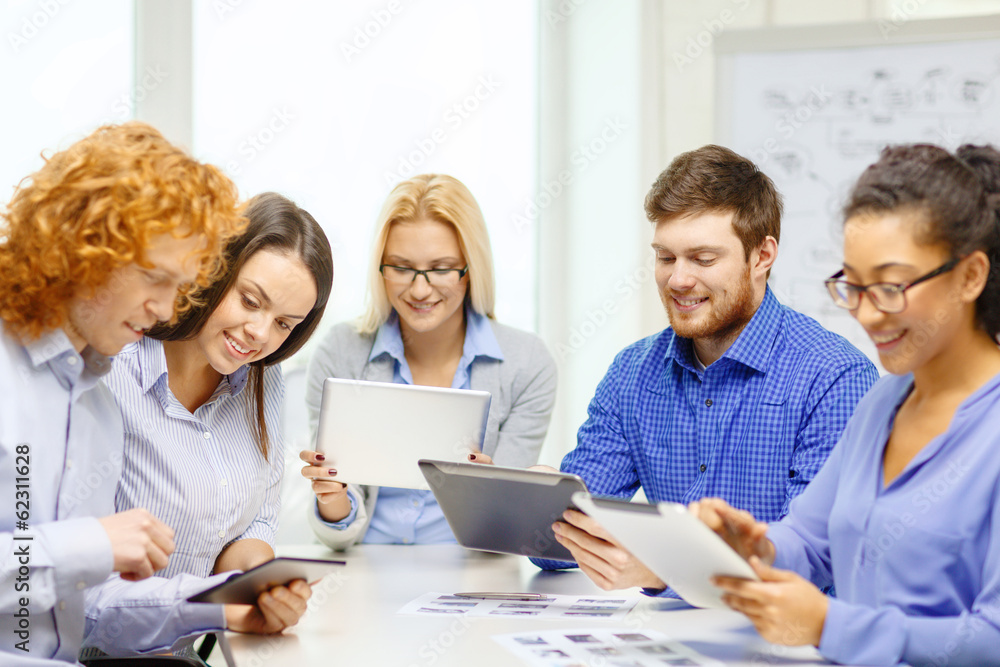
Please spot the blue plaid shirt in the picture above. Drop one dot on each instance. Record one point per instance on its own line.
(753, 428)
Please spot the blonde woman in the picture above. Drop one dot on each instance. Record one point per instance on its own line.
(429, 321)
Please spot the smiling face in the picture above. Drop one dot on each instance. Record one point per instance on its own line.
(882, 248)
(273, 292)
(134, 298)
(705, 281)
(422, 307)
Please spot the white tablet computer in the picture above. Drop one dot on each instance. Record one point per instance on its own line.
(374, 432)
(674, 544)
(508, 510)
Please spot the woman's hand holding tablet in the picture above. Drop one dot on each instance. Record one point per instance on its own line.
(739, 528)
(331, 495)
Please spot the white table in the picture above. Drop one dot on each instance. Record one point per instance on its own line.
(352, 618)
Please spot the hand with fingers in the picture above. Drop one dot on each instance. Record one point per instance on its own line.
(600, 557)
(331, 495)
(740, 530)
(276, 609)
(784, 607)
(140, 543)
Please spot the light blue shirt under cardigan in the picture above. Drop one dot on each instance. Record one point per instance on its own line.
(407, 515)
(202, 474)
(55, 402)
(512, 365)
(916, 564)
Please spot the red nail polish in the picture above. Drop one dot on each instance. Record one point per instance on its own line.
(320, 457)
(332, 471)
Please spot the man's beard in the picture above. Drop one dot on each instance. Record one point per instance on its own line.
(730, 312)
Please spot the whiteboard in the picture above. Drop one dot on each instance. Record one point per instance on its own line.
(813, 115)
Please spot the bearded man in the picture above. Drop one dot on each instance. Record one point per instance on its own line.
(741, 398)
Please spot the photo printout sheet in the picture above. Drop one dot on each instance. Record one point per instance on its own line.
(551, 606)
(600, 646)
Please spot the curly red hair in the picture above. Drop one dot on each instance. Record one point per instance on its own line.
(93, 208)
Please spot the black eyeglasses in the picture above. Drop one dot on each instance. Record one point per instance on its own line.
(889, 298)
(435, 277)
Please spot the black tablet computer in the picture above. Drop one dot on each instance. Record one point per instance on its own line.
(507, 510)
(246, 587)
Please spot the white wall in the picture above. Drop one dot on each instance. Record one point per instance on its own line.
(595, 167)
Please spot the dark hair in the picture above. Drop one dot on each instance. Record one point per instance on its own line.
(275, 223)
(714, 178)
(956, 196)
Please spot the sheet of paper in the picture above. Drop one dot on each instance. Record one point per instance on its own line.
(604, 646)
(554, 606)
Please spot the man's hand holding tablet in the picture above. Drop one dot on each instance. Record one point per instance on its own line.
(608, 564)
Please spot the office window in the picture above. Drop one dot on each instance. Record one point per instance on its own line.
(331, 104)
(65, 68)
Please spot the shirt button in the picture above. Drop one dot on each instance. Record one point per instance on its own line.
(222, 482)
(80, 585)
(222, 534)
(71, 361)
(207, 435)
(703, 467)
(708, 402)
(406, 540)
(62, 605)
(416, 503)
(69, 463)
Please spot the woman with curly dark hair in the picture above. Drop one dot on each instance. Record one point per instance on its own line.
(904, 517)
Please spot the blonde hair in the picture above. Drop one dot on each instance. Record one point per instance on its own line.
(444, 199)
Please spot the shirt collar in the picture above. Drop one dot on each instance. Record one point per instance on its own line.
(751, 348)
(153, 367)
(480, 341)
(55, 349)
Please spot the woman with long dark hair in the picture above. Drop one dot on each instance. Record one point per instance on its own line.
(201, 399)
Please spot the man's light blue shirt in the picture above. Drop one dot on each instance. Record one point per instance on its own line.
(916, 563)
(59, 425)
(408, 516)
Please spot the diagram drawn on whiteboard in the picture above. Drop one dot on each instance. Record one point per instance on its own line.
(813, 119)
